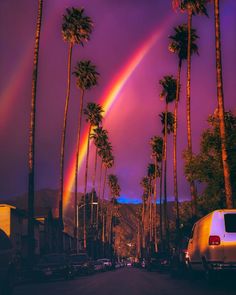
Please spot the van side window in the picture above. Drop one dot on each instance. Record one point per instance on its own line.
(230, 223)
(192, 232)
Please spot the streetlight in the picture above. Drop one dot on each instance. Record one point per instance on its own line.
(77, 221)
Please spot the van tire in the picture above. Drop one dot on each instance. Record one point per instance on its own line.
(210, 274)
(189, 271)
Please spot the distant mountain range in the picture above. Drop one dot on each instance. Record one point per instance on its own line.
(48, 199)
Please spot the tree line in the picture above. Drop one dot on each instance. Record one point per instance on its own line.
(215, 163)
(76, 30)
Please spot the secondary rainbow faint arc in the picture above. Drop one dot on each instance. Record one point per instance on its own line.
(111, 94)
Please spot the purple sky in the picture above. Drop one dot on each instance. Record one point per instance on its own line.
(120, 29)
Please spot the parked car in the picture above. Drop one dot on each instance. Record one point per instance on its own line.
(153, 264)
(53, 266)
(119, 264)
(7, 269)
(143, 263)
(212, 245)
(82, 264)
(99, 266)
(137, 264)
(161, 262)
(178, 265)
(122, 263)
(106, 262)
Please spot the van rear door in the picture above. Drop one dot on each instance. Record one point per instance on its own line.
(229, 238)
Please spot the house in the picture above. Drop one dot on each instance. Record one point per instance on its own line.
(14, 223)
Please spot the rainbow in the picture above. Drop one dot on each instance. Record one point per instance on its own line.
(108, 98)
(10, 93)
(17, 79)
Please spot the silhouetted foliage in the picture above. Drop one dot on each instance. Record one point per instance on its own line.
(206, 166)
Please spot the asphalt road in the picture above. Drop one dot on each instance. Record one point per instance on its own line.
(127, 281)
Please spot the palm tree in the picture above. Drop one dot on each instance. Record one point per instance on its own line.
(151, 175)
(157, 148)
(103, 150)
(169, 87)
(221, 111)
(167, 120)
(115, 193)
(192, 7)
(86, 77)
(108, 162)
(113, 186)
(31, 153)
(93, 114)
(179, 46)
(100, 138)
(76, 29)
(105, 153)
(145, 185)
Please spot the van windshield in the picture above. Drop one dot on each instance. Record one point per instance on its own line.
(230, 223)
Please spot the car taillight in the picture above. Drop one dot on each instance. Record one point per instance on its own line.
(214, 240)
(186, 255)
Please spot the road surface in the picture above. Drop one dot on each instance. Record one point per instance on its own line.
(127, 281)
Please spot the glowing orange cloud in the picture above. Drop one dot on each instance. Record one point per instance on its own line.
(107, 100)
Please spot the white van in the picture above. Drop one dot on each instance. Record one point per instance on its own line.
(212, 244)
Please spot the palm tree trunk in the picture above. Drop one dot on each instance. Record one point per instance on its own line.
(94, 181)
(166, 225)
(85, 187)
(155, 208)
(150, 212)
(111, 223)
(62, 153)
(143, 226)
(99, 195)
(103, 205)
(76, 222)
(221, 111)
(188, 96)
(138, 242)
(31, 153)
(111, 230)
(160, 210)
(103, 233)
(175, 148)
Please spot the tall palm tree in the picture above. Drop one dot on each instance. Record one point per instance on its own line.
(93, 114)
(221, 111)
(192, 7)
(31, 153)
(168, 93)
(76, 29)
(157, 148)
(86, 77)
(179, 46)
(167, 120)
(115, 193)
(105, 153)
(145, 186)
(100, 138)
(151, 174)
(108, 162)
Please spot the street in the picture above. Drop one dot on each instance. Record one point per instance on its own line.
(124, 281)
